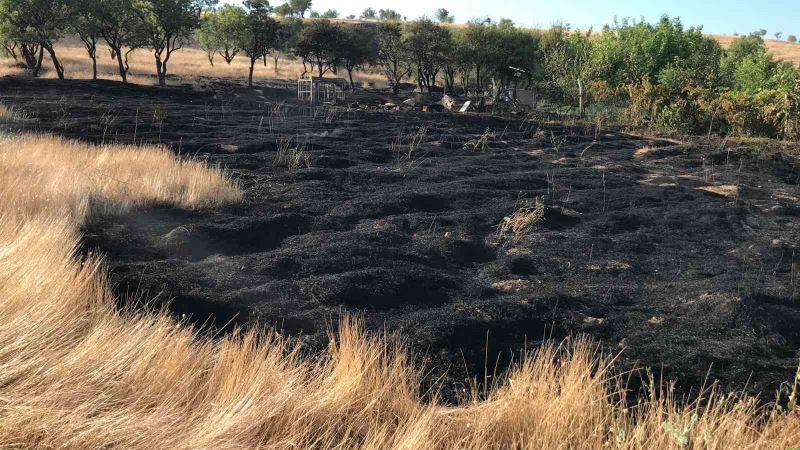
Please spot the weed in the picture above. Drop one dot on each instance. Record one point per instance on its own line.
(521, 222)
(291, 157)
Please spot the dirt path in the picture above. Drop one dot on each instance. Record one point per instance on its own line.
(683, 257)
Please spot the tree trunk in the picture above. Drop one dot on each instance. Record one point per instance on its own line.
(250, 75)
(350, 75)
(275, 60)
(160, 71)
(94, 66)
(581, 106)
(265, 60)
(123, 72)
(38, 66)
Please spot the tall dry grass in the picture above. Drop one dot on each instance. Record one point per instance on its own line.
(75, 372)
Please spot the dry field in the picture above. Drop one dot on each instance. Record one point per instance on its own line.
(782, 50)
(77, 372)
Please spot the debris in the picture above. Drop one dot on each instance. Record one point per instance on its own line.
(410, 102)
(466, 106)
(725, 190)
(593, 320)
(656, 320)
(447, 102)
(511, 285)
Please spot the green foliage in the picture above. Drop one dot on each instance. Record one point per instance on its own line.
(318, 45)
(393, 55)
(427, 47)
(258, 35)
(34, 25)
(165, 25)
(357, 47)
(369, 14)
(300, 7)
(221, 32)
(284, 10)
(330, 14)
(390, 15)
(443, 16)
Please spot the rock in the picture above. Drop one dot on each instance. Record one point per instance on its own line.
(466, 106)
(230, 148)
(656, 320)
(447, 102)
(410, 102)
(593, 320)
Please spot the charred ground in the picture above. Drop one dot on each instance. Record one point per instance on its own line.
(681, 254)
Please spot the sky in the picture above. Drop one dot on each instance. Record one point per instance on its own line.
(716, 16)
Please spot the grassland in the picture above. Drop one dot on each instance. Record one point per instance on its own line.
(77, 372)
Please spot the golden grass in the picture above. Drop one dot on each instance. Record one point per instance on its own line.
(781, 50)
(46, 175)
(78, 373)
(521, 222)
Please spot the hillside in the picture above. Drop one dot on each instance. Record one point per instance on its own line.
(782, 50)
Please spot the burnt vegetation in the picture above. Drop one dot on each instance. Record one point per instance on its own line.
(646, 195)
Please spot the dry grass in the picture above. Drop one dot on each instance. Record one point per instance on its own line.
(782, 50)
(78, 373)
(46, 175)
(521, 222)
(290, 156)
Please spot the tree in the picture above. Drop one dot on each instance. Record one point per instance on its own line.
(286, 38)
(427, 44)
(283, 10)
(393, 56)
(84, 23)
(389, 15)
(792, 38)
(121, 30)
(330, 14)
(568, 62)
(257, 36)
(318, 45)
(778, 35)
(35, 25)
(221, 31)
(369, 14)
(300, 7)
(762, 32)
(443, 16)
(8, 43)
(357, 47)
(166, 25)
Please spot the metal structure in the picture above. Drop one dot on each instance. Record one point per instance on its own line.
(322, 90)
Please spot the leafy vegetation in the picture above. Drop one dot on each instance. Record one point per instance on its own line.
(657, 75)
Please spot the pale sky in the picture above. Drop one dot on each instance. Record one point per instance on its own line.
(717, 16)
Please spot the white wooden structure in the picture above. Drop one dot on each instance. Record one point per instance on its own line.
(322, 90)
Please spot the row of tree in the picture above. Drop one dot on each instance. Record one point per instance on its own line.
(660, 74)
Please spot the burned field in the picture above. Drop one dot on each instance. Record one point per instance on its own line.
(680, 256)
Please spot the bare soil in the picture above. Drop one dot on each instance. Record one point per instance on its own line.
(680, 256)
